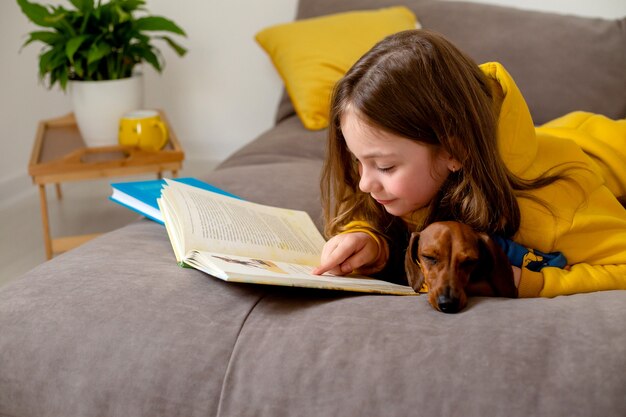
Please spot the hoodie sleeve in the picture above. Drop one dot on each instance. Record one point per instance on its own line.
(595, 241)
(595, 246)
(383, 249)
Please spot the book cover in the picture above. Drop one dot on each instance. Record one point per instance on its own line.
(141, 196)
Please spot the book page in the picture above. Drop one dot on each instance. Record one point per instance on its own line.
(262, 271)
(215, 223)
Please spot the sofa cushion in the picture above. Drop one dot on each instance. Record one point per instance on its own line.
(280, 168)
(312, 54)
(316, 354)
(561, 63)
(116, 328)
(290, 183)
(287, 140)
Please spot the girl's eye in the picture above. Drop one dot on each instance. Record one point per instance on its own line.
(385, 169)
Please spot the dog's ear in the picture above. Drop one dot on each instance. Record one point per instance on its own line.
(413, 271)
(495, 267)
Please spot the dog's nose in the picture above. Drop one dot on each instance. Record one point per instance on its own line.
(447, 304)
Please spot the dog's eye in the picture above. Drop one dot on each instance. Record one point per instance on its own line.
(429, 259)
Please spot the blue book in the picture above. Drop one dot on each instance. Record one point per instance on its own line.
(141, 196)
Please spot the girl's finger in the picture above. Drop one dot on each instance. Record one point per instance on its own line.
(335, 256)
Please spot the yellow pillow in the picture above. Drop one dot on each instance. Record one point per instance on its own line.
(311, 55)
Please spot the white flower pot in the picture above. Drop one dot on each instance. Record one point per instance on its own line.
(99, 105)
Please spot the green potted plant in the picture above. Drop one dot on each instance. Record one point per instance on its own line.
(94, 48)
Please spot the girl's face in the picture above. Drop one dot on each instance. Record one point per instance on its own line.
(401, 174)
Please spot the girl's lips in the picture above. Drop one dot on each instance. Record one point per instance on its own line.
(384, 202)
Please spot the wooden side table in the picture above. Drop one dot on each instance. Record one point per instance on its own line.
(59, 155)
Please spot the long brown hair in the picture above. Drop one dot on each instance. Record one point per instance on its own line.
(417, 85)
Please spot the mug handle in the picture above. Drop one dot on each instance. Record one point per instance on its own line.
(161, 126)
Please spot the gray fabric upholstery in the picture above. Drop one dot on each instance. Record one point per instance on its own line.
(280, 184)
(560, 63)
(116, 328)
(384, 356)
(280, 168)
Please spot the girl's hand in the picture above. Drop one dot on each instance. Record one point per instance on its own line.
(344, 253)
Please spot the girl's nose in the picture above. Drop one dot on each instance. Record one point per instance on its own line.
(366, 183)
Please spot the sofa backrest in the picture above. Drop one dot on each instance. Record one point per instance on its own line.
(561, 63)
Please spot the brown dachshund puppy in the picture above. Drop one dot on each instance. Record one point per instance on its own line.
(455, 261)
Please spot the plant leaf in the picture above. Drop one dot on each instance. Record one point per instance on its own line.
(44, 36)
(84, 6)
(132, 5)
(176, 47)
(122, 15)
(36, 13)
(51, 62)
(97, 40)
(73, 44)
(63, 78)
(78, 69)
(158, 23)
(59, 18)
(97, 52)
(44, 60)
(150, 58)
(57, 60)
(52, 79)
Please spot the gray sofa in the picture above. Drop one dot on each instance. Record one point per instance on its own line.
(116, 328)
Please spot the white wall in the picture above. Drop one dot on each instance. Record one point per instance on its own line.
(218, 97)
(608, 9)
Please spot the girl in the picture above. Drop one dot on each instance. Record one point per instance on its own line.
(420, 133)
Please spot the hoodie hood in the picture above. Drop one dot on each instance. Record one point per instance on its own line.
(517, 141)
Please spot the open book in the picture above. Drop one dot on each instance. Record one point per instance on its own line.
(240, 241)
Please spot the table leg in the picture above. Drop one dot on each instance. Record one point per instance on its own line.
(58, 188)
(174, 174)
(44, 219)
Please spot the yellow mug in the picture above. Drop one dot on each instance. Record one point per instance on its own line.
(144, 129)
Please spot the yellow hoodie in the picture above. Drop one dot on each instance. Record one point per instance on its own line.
(585, 222)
